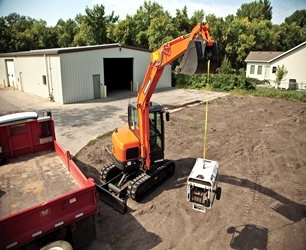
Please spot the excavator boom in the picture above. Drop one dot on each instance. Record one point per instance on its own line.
(198, 49)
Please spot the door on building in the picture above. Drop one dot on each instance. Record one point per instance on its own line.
(267, 73)
(96, 86)
(10, 70)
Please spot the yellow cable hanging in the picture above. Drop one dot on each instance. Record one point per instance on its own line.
(205, 128)
(206, 115)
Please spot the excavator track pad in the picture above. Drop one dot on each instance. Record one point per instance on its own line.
(115, 195)
(145, 183)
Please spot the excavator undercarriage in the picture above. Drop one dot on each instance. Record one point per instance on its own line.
(118, 186)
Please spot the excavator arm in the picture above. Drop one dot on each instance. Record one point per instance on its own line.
(199, 51)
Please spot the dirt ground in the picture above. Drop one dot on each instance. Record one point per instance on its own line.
(260, 144)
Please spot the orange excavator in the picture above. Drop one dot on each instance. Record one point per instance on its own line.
(138, 165)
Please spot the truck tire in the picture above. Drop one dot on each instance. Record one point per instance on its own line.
(58, 245)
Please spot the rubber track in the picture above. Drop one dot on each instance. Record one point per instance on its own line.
(146, 183)
(105, 171)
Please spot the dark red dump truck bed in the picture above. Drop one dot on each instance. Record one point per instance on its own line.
(41, 188)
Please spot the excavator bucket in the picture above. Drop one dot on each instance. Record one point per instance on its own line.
(196, 58)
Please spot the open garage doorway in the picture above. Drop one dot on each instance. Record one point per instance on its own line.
(118, 74)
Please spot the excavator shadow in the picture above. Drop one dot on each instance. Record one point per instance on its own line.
(290, 209)
(248, 236)
(110, 221)
(117, 231)
(286, 207)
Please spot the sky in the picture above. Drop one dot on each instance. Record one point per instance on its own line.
(52, 10)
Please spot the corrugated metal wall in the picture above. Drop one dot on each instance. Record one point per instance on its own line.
(38, 75)
(78, 68)
(68, 77)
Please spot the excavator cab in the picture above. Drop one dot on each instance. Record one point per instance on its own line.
(156, 123)
(197, 57)
(156, 132)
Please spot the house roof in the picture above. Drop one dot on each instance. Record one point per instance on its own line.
(262, 56)
(269, 56)
(57, 51)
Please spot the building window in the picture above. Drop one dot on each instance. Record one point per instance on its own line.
(274, 69)
(252, 70)
(259, 70)
(44, 79)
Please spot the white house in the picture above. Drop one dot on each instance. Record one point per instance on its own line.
(68, 75)
(263, 65)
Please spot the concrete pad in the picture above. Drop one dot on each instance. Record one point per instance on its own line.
(76, 124)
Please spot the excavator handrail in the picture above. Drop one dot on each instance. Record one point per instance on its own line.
(160, 58)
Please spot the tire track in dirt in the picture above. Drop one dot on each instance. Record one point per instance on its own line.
(252, 196)
(252, 181)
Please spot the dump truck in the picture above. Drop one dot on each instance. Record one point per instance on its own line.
(44, 197)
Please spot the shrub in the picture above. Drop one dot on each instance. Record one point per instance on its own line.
(237, 83)
(221, 82)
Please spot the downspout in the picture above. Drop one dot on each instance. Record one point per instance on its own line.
(50, 76)
(47, 78)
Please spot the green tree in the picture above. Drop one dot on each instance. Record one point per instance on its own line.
(197, 16)
(239, 41)
(98, 23)
(20, 27)
(281, 72)
(262, 31)
(123, 32)
(298, 17)
(5, 36)
(143, 17)
(83, 36)
(261, 10)
(43, 36)
(181, 21)
(66, 31)
(160, 31)
(290, 35)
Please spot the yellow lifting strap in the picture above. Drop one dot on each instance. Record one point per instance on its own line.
(206, 115)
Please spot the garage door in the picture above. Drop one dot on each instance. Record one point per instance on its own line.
(118, 73)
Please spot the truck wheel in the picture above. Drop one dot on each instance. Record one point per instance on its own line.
(58, 245)
(218, 193)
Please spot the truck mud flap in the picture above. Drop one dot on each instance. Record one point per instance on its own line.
(111, 199)
(197, 57)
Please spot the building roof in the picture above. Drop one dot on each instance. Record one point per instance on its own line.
(262, 56)
(57, 51)
(269, 56)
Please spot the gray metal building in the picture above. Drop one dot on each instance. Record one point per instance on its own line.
(68, 75)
